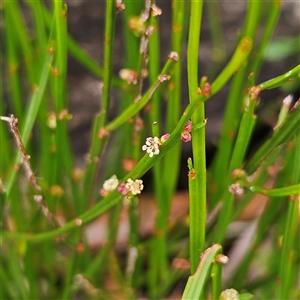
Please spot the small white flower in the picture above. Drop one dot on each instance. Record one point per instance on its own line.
(236, 189)
(152, 145)
(229, 294)
(135, 187)
(109, 185)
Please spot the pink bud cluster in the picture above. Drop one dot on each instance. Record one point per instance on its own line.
(186, 132)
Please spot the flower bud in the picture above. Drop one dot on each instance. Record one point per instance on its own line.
(164, 137)
(229, 294)
(206, 89)
(188, 127)
(185, 136)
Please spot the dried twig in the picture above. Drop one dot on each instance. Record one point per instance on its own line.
(25, 160)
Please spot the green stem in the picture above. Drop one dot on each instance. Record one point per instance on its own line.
(293, 74)
(279, 192)
(271, 21)
(280, 135)
(97, 143)
(232, 114)
(290, 246)
(197, 183)
(172, 160)
(237, 158)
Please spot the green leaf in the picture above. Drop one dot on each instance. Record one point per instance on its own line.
(196, 282)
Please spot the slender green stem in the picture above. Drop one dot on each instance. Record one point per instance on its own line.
(172, 160)
(13, 12)
(216, 279)
(280, 135)
(197, 183)
(159, 266)
(110, 19)
(97, 143)
(287, 270)
(271, 21)
(293, 74)
(232, 115)
(237, 158)
(63, 155)
(279, 192)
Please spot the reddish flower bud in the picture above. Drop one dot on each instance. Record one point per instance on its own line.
(185, 136)
(206, 89)
(164, 137)
(188, 127)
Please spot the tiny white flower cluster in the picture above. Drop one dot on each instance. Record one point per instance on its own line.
(229, 294)
(128, 189)
(236, 189)
(131, 187)
(135, 187)
(109, 185)
(152, 146)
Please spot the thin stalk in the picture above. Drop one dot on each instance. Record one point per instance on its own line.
(271, 21)
(133, 242)
(101, 119)
(99, 264)
(239, 151)
(291, 75)
(13, 69)
(8, 288)
(13, 66)
(232, 115)
(16, 272)
(279, 192)
(287, 270)
(23, 38)
(166, 171)
(269, 216)
(172, 160)
(197, 184)
(159, 265)
(69, 273)
(63, 154)
(216, 279)
(110, 19)
(86, 60)
(281, 135)
(45, 134)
